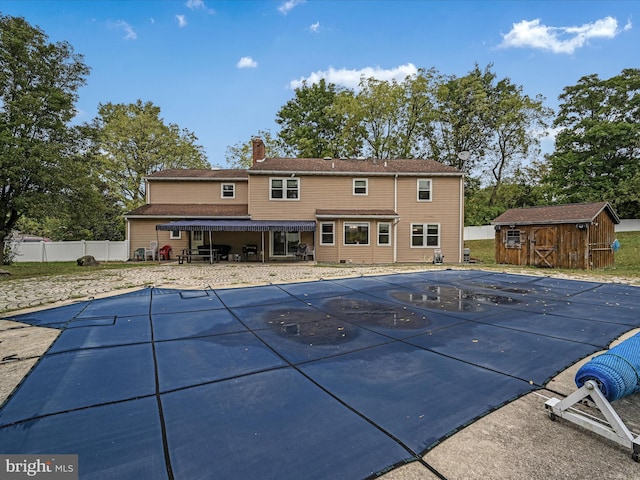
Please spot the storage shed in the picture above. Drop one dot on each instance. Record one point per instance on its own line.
(578, 236)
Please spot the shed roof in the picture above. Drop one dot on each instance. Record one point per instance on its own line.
(555, 214)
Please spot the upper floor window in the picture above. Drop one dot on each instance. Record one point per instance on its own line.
(327, 233)
(228, 190)
(285, 189)
(425, 235)
(356, 234)
(424, 189)
(360, 186)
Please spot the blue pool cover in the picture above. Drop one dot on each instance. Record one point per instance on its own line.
(616, 371)
(328, 379)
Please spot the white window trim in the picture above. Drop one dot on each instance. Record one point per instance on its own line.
(418, 189)
(173, 236)
(366, 187)
(333, 224)
(424, 235)
(284, 189)
(222, 195)
(344, 234)
(389, 234)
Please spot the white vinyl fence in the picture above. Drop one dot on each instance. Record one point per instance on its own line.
(487, 232)
(101, 250)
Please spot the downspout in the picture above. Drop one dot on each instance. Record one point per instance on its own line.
(461, 234)
(395, 223)
(129, 237)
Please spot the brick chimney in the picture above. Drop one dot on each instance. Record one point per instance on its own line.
(258, 150)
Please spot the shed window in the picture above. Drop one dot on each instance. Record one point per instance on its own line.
(513, 239)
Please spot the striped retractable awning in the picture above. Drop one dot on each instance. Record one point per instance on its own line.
(239, 225)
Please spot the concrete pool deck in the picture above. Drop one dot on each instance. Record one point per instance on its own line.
(515, 441)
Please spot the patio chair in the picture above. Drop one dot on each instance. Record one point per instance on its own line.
(152, 250)
(301, 251)
(165, 252)
(310, 253)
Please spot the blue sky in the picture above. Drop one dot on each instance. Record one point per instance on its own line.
(223, 69)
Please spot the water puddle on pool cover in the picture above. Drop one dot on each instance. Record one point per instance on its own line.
(330, 329)
(453, 299)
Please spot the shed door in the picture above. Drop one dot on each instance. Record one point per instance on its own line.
(544, 246)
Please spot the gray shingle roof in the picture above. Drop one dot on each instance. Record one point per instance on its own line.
(351, 166)
(198, 173)
(190, 210)
(570, 213)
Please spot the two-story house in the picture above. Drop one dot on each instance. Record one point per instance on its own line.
(346, 210)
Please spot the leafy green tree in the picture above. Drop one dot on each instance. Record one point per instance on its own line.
(462, 119)
(133, 141)
(39, 84)
(310, 125)
(240, 155)
(598, 147)
(517, 124)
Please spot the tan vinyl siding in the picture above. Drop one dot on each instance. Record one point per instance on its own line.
(196, 192)
(327, 192)
(143, 232)
(443, 209)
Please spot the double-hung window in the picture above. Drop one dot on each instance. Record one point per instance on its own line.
(284, 189)
(424, 190)
(360, 186)
(228, 190)
(327, 233)
(384, 233)
(425, 235)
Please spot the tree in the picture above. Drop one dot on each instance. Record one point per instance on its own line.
(598, 147)
(39, 82)
(310, 125)
(133, 142)
(240, 155)
(517, 123)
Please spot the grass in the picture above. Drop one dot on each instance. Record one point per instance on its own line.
(20, 270)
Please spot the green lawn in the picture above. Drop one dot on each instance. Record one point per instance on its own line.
(38, 269)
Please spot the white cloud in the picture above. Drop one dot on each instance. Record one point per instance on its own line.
(315, 27)
(289, 5)
(533, 34)
(182, 20)
(129, 33)
(247, 62)
(351, 78)
(198, 5)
